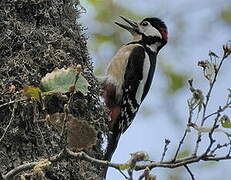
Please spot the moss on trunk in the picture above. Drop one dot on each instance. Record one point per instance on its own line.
(37, 36)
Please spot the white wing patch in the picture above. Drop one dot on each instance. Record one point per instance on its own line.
(146, 68)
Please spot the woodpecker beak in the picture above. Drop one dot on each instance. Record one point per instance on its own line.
(133, 28)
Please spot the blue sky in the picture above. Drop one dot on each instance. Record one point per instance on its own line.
(202, 30)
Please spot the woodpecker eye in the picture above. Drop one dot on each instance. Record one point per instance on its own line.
(144, 23)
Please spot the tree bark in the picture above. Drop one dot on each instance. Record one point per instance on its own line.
(37, 36)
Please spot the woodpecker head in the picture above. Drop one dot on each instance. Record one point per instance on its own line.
(151, 30)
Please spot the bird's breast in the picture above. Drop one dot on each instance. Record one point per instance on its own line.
(117, 67)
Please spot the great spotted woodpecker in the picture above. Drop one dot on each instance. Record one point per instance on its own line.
(129, 75)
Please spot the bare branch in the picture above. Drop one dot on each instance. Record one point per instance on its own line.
(211, 133)
(190, 172)
(218, 111)
(83, 156)
(165, 149)
(219, 146)
(12, 102)
(211, 85)
(181, 162)
(28, 166)
(180, 144)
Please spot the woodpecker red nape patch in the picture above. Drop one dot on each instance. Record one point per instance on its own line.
(164, 33)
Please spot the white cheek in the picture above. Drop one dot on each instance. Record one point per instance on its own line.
(151, 31)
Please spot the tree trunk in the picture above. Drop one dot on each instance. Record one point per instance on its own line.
(37, 36)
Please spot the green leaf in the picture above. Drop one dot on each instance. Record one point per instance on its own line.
(229, 95)
(176, 80)
(63, 81)
(82, 85)
(100, 38)
(48, 93)
(226, 124)
(225, 121)
(94, 2)
(226, 14)
(183, 154)
(32, 92)
(124, 166)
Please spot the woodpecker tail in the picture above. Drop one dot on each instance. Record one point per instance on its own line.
(111, 147)
(109, 96)
(113, 138)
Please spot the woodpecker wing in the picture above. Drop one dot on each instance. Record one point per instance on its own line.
(135, 78)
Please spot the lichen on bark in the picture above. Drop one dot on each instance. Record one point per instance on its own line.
(37, 36)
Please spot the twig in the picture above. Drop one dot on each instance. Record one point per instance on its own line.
(19, 169)
(67, 106)
(123, 174)
(30, 165)
(190, 172)
(219, 146)
(210, 90)
(207, 101)
(229, 148)
(218, 111)
(186, 130)
(180, 144)
(63, 135)
(84, 156)
(10, 121)
(184, 136)
(35, 120)
(210, 158)
(130, 173)
(165, 149)
(211, 133)
(181, 162)
(12, 102)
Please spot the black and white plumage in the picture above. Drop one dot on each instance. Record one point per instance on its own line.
(129, 75)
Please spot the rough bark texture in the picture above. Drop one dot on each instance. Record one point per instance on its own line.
(37, 36)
